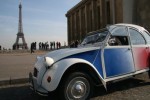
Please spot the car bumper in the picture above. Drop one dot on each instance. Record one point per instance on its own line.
(35, 87)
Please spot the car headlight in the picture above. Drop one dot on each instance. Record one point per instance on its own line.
(48, 61)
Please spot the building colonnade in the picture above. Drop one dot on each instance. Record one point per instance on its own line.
(90, 15)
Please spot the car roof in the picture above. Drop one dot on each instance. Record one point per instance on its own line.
(110, 27)
(95, 32)
(139, 28)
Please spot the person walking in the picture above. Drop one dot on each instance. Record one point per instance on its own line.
(32, 48)
(54, 44)
(59, 45)
(51, 44)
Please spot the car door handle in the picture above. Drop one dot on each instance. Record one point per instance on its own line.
(146, 47)
(129, 48)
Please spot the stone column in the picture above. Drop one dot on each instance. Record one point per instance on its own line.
(80, 24)
(98, 15)
(83, 22)
(102, 13)
(71, 29)
(72, 38)
(119, 11)
(68, 29)
(113, 12)
(93, 15)
(86, 19)
(75, 27)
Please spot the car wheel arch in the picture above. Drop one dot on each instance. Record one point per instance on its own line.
(83, 68)
(67, 66)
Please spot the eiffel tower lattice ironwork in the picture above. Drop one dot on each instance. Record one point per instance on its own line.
(20, 34)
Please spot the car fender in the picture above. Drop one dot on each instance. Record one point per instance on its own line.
(58, 69)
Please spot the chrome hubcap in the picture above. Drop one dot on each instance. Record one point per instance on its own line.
(78, 88)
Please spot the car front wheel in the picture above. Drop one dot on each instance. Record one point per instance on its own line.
(76, 87)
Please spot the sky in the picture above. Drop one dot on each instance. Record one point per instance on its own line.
(43, 20)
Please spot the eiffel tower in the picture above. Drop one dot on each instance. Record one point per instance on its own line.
(20, 34)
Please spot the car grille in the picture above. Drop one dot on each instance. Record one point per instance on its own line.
(35, 73)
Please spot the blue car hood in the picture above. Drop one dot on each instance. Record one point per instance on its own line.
(62, 53)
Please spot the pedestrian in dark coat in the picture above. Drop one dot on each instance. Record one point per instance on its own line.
(32, 48)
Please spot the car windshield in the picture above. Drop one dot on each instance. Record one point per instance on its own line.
(96, 37)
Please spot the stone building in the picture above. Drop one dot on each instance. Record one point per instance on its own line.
(92, 15)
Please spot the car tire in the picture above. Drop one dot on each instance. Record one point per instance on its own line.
(77, 86)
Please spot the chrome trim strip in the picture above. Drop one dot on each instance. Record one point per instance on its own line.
(114, 47)
(127, 75)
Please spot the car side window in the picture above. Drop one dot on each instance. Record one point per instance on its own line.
(118, 41)
(147, 36)
(119, 36)
(136, 37)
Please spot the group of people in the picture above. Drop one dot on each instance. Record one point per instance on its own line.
(54, 45)
(74, 44)
(45, 46)
(4, 49)
(51, 45)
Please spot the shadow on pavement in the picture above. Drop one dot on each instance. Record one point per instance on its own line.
(120, 86)
(21, 93)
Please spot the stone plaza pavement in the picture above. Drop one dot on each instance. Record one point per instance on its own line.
(15, 67)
